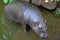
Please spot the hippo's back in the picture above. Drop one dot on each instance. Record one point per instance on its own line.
(22, 11)
(13, 11)
(31, 12)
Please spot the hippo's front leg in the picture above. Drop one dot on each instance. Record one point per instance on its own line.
(25, 30)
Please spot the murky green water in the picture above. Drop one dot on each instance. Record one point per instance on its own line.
(14, 31)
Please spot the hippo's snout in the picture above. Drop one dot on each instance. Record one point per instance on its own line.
(44, 35)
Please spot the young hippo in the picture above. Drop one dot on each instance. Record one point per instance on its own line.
(26, 13)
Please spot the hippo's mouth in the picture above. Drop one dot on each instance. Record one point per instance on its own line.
(43, 34)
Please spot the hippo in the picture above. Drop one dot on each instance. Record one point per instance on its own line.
(26, 13)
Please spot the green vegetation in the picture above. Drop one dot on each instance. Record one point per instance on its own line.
(57, 12)
(8, 1)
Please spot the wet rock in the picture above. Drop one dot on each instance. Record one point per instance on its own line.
(49, 5)
(36, 2)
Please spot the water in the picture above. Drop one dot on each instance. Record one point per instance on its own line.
(7, 28)
(14, 31)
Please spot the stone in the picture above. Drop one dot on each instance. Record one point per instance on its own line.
(36, 2)
(49, 5)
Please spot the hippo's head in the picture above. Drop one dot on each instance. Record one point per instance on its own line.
(40, 28)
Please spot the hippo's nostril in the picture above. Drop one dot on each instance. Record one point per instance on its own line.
(45, 36)
(42, 31)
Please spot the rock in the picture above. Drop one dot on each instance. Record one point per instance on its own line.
(49, 5)
(37, 2)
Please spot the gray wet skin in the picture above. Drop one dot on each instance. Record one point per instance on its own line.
(26, 13)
